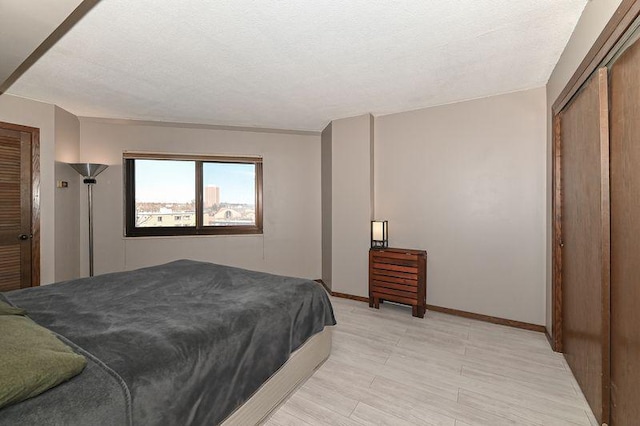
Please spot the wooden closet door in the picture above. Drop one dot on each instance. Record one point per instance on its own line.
(625, 238)
(585, 240)
(15, 209)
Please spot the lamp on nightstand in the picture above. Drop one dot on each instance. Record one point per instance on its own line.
(379, 234)
(89, 171)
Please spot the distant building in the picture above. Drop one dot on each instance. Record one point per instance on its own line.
(211, 196)
(165, 219)
(227, 214)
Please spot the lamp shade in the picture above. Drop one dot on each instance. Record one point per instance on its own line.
(88, 170)
(379, 234)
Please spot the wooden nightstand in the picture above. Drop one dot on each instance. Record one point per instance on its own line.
(398, 275)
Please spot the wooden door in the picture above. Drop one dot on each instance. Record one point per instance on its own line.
(585, 240)
(19, 207)
(625, 238)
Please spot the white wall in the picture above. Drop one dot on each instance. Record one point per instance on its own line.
(40, 115)
(466, 182)
(67, 200)
(351, 203)
(592, 21)
(291, 243)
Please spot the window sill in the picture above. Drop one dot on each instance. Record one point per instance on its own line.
(173, 237)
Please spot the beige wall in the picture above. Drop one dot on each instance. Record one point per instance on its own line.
(327, 192)
(40, 115)
(466, 182)
(593, 20)
(67, 200)
(291, 244)
(351, 213)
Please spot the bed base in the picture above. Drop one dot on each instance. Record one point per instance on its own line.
(298, 368)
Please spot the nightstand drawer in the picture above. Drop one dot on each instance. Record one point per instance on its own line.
(398, 255)
(378, 266)
(406, 279)
(381, 286)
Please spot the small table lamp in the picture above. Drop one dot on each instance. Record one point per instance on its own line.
(89, 171)
(379, 234)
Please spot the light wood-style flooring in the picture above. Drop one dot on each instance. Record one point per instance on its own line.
(388, 368)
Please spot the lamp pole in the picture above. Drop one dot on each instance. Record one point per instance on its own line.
(90, 182)
(89, 171)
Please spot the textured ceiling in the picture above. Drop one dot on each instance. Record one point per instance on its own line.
(296, 64)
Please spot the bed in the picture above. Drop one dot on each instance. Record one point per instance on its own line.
(188, 343)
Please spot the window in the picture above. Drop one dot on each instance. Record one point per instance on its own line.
(169, 194)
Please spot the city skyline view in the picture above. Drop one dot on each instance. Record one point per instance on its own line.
(172, 181)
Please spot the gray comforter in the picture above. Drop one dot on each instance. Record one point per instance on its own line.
(184, 343)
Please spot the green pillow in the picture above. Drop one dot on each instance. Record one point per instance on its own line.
(6, 309)
(32, 360)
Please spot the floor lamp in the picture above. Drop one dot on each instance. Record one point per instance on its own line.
(89, 171)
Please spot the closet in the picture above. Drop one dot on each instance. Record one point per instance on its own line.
(585, 241)
(597, 230)
(625, 237)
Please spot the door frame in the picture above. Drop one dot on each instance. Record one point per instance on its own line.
(611, 39)
(35, 196)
